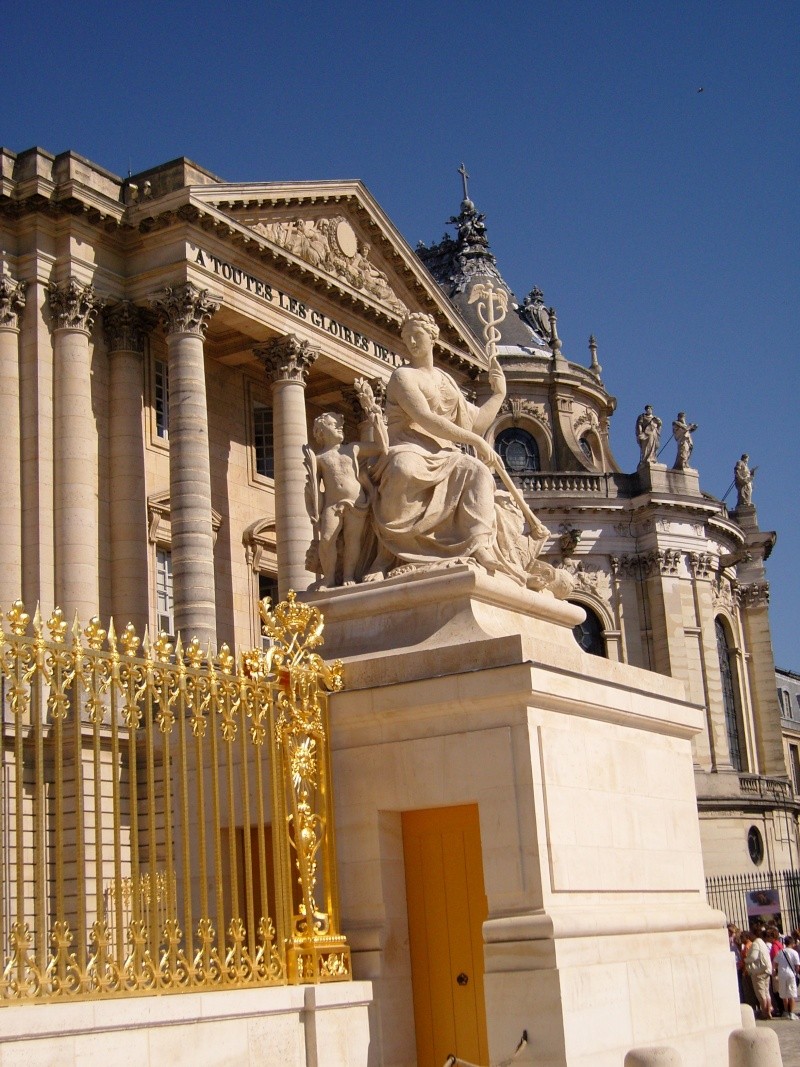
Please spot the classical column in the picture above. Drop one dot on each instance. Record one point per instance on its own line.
(186, 310)
(74, 307)
(287, 361)
(125, 328)
(12, 301)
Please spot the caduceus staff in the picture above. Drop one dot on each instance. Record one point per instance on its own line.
(492, 309)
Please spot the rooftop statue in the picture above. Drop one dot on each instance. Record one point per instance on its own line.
(648, 434)
(682, 432)
(743, 479)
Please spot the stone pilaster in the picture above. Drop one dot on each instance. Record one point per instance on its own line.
(703, 568)
(73, 308)
(12, 302)
(125, 327)
(754, 615)
(287, 361)
(186, 311)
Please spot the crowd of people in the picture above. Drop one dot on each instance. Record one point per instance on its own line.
(768, 967)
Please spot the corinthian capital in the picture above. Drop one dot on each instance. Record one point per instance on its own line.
(185, 309)
(126, 326)
(12, 301)
(74, 306)
(287, 359)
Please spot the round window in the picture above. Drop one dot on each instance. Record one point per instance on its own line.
(755, 845)
(518, 450)
(589, 633)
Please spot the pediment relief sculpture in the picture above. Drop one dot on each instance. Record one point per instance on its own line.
(332, 245)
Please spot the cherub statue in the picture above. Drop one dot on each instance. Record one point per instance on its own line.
(338, 495)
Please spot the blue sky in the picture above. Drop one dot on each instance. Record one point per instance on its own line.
(662, 219)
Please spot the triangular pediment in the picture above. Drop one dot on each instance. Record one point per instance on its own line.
(337, 232)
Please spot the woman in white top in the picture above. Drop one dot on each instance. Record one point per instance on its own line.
(787, 965)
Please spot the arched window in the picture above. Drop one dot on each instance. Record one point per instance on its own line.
(518, 450)
(586, 448)
(589, 633)
(729, 697)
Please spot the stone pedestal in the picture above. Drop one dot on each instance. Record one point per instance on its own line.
(288, 1026)
(658, 478)
(598, 939)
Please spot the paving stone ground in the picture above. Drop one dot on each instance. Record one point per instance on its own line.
(789, 1037)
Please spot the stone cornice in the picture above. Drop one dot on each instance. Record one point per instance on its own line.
(12, 302)
(126, 326)
(73, 305)
(185, 309)
(287, 359)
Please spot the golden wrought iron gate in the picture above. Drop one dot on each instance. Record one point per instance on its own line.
(166, 814)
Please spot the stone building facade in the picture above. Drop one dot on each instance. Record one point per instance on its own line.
(167, 340)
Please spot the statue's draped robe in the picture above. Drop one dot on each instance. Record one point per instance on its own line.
(435, 502)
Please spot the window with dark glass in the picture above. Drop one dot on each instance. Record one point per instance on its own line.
(262, 440)
(161, 397)
(518, 450)
(755, 845)
(586, 448)
(589, 633)
(165, 607)
(729, 697)
(794, 759)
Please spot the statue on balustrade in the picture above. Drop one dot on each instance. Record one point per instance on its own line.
(743, 479)
(434, 504)
(648, 434)
(682, 432)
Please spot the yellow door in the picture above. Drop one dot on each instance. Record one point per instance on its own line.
(446, 910)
